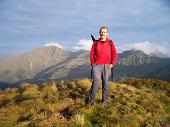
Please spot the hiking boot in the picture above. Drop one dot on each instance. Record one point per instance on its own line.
(89, 104)
(104, 103)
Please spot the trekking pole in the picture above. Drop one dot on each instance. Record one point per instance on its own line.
(112, 74)
(91, 73)
(92, 37)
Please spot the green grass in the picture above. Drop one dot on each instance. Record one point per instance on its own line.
(131, 103)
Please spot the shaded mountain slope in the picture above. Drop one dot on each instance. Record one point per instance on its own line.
(160, 73)
(77, 65)
(137, 64)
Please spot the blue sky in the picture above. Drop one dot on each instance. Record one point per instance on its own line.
(29, 24)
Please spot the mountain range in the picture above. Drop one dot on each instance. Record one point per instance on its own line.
(54, 63)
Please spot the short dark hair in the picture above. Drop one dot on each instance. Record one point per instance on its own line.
(104, 27)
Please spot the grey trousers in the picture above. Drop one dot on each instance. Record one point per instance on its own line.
(100, 71)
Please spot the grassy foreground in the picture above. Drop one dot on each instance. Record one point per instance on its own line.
(132, 103)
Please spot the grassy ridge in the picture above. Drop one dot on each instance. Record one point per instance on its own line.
(132, 103)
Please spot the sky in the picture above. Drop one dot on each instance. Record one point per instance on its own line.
(30, 24)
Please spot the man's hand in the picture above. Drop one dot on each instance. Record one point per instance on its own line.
(110, 65)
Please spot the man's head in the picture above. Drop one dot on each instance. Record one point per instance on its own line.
(103, 33)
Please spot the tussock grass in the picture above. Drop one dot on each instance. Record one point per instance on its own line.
(131, 103)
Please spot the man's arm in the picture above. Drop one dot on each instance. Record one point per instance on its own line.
(114, 54)
(92, 53)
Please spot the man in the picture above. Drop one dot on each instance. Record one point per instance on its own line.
(103, 57)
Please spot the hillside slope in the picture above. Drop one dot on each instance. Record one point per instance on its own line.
(77, 65)
(53, 63)
(135, 63)
(27, 65)
(132, 103)
(130, 63)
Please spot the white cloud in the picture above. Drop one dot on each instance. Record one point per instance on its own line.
(83, 44)
(146, 46)
(149, 48)
(53, 44)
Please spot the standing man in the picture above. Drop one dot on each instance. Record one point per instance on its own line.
(103, 57)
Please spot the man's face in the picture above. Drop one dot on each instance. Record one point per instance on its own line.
(103, 33)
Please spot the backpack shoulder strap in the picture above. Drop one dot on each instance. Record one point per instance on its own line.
(95, 43)
(111, 42)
